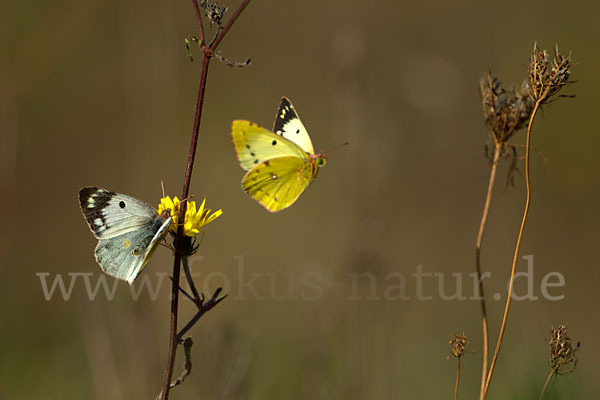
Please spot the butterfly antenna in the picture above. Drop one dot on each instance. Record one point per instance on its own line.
(162, 185)
(187, 198)
(183, 201)
(336, 147)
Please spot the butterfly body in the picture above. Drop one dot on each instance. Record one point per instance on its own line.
(128, 230)
(281, 164)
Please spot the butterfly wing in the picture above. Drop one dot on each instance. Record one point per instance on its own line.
(288, 125)
(255, 144)
(277, 183)
(110, 214)
(124, 256)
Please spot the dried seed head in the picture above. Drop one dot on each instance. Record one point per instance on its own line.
(505, 110)
(214, 12)
(458, 344)
(562, 351)
(545, 82)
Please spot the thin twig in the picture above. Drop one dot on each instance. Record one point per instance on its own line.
(186, 269)
(517, 248)
(552, 372)
(484, 216)
(199, 20)
(229, 23)
(457, 378)
(189, 278)
(203, 308)
(186, 294)
(458, 345)
(185, 192)
(187, 364)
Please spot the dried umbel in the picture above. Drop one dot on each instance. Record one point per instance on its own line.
(458, 344)
(214, 12)
(505, 110)
(562, 351)
(545, 82)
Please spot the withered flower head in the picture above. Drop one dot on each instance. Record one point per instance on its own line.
(458, 344)
(562, 351)
(546, 83)
(214, 12)
(505, 110)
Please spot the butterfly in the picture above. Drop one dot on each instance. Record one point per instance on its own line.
(128, 230)
(280, 164)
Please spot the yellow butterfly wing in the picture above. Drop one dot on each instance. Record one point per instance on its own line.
(255, 144)
(277, 183)
(288, 124)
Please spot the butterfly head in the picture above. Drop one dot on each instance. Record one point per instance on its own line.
(165, 214)
(319, 159)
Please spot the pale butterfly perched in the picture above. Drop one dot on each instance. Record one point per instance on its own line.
(129, 230)
(280, 164)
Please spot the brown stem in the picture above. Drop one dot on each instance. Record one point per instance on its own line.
(516, 254)
(203, 307)
(180, 236)
(206, 57)
(199, 20)
(228, 25)
(457, 379)
(484, 216)
(552, 372)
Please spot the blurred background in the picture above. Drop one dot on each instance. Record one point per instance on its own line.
(322, 300)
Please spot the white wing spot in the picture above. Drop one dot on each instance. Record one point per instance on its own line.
(273, 176)
(98, 222)
(91, 203)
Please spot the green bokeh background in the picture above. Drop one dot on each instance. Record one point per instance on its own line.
(101, 93)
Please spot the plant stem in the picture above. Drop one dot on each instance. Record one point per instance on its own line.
(484, 216)
(516, 253)
(199, 20)
(203, 307)
(179, 239)
(206, 57)
(189, 277)
(457, 379)
(229, 23)
(547, 382)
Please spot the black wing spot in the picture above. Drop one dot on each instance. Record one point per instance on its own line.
(248, 146)
(274, 142)
(252, 154)
(122, 204)
(297, 130)
(255, 161)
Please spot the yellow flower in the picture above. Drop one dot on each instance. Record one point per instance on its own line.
(172, 206)
(194, 219)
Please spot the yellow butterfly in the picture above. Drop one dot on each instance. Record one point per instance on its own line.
(280, 164)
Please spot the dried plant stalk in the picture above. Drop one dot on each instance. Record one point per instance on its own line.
(544, 85)
(505, 112)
